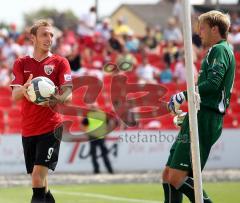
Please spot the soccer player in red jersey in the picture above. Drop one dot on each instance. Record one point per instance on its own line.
(41, 127)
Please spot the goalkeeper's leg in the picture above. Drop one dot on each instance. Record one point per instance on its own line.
(171, 195)
(180, 180)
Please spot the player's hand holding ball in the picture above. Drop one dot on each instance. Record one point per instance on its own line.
(40, 90)
(25, 87)
(175, 103)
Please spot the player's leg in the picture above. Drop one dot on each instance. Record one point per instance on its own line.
(171, 195)
(104, 151)
(38, 184)
(29, 148)
(48, 197)
(181, 160)
(47, 152)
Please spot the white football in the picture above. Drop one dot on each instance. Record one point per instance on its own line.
(40, 89)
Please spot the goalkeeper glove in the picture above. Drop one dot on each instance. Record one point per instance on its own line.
(175, 103)
(178, 119)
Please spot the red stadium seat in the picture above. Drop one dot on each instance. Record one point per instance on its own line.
(13, 126)
(230, 122)
(235, 108)
(181, 87)
(171, 86)
(75, 125)
(14, 113)
(167, 122)
(5, 103)
(2, 127)
(5, 92)
(1, 115)
(237, 85)
(234, 97)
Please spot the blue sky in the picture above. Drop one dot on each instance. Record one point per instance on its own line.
(12, 10)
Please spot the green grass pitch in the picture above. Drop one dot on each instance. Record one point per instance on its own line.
(221, 192)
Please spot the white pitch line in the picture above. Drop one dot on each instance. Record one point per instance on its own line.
(106, 197)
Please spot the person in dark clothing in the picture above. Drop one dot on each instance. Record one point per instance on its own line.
(90, 123)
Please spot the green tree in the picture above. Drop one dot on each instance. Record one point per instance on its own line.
(62, 20)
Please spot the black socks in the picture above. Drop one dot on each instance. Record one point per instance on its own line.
(187, 188)
(49, 197)
(38, 195)
(171, 194)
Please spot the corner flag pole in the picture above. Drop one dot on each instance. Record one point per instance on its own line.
(187, 31)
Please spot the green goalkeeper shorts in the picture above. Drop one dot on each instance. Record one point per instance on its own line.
(209, 129)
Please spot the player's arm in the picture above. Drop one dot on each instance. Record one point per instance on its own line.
(218, 62)
(216, 71)
(64, 98)
(65, 79)
(20, 92)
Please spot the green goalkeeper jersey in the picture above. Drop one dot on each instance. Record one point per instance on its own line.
(216, 77)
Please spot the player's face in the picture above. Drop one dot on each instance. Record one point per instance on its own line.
(205, 33)
(43, 39)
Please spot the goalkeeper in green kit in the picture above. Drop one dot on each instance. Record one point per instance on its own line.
(215, 83)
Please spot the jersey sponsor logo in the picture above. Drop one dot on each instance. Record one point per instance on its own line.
(48, 69)
(67, 77)
(183, 164)
(26, 71)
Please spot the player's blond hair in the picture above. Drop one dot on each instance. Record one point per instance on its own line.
(37, 24)
(216, 18)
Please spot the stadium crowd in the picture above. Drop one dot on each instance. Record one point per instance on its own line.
(157, 56)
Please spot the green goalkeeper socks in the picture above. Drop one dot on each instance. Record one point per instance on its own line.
(171, 194)
(187, 188)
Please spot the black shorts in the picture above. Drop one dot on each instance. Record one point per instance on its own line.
(42, 149)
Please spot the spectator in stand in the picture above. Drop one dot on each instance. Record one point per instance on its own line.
(179, 74)
(3, 35)
(62, 48)
(234, 37)
(131, 43)
(22, 36)
(98, 43)
(158, 34)
(172, 32)
(122, 28)
(166, 75)
(126, 56)
(170, 51)
(235, 19)
(13, 33)
(146, 73)
(69, 36)
(149, 41)
(104, 28)
(74, 59)
(87, 23)
(178, 11)
(11, 50)
(115, 44)
(4, 74)
(27, 47)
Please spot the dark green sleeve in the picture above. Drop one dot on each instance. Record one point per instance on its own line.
(218, 61)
